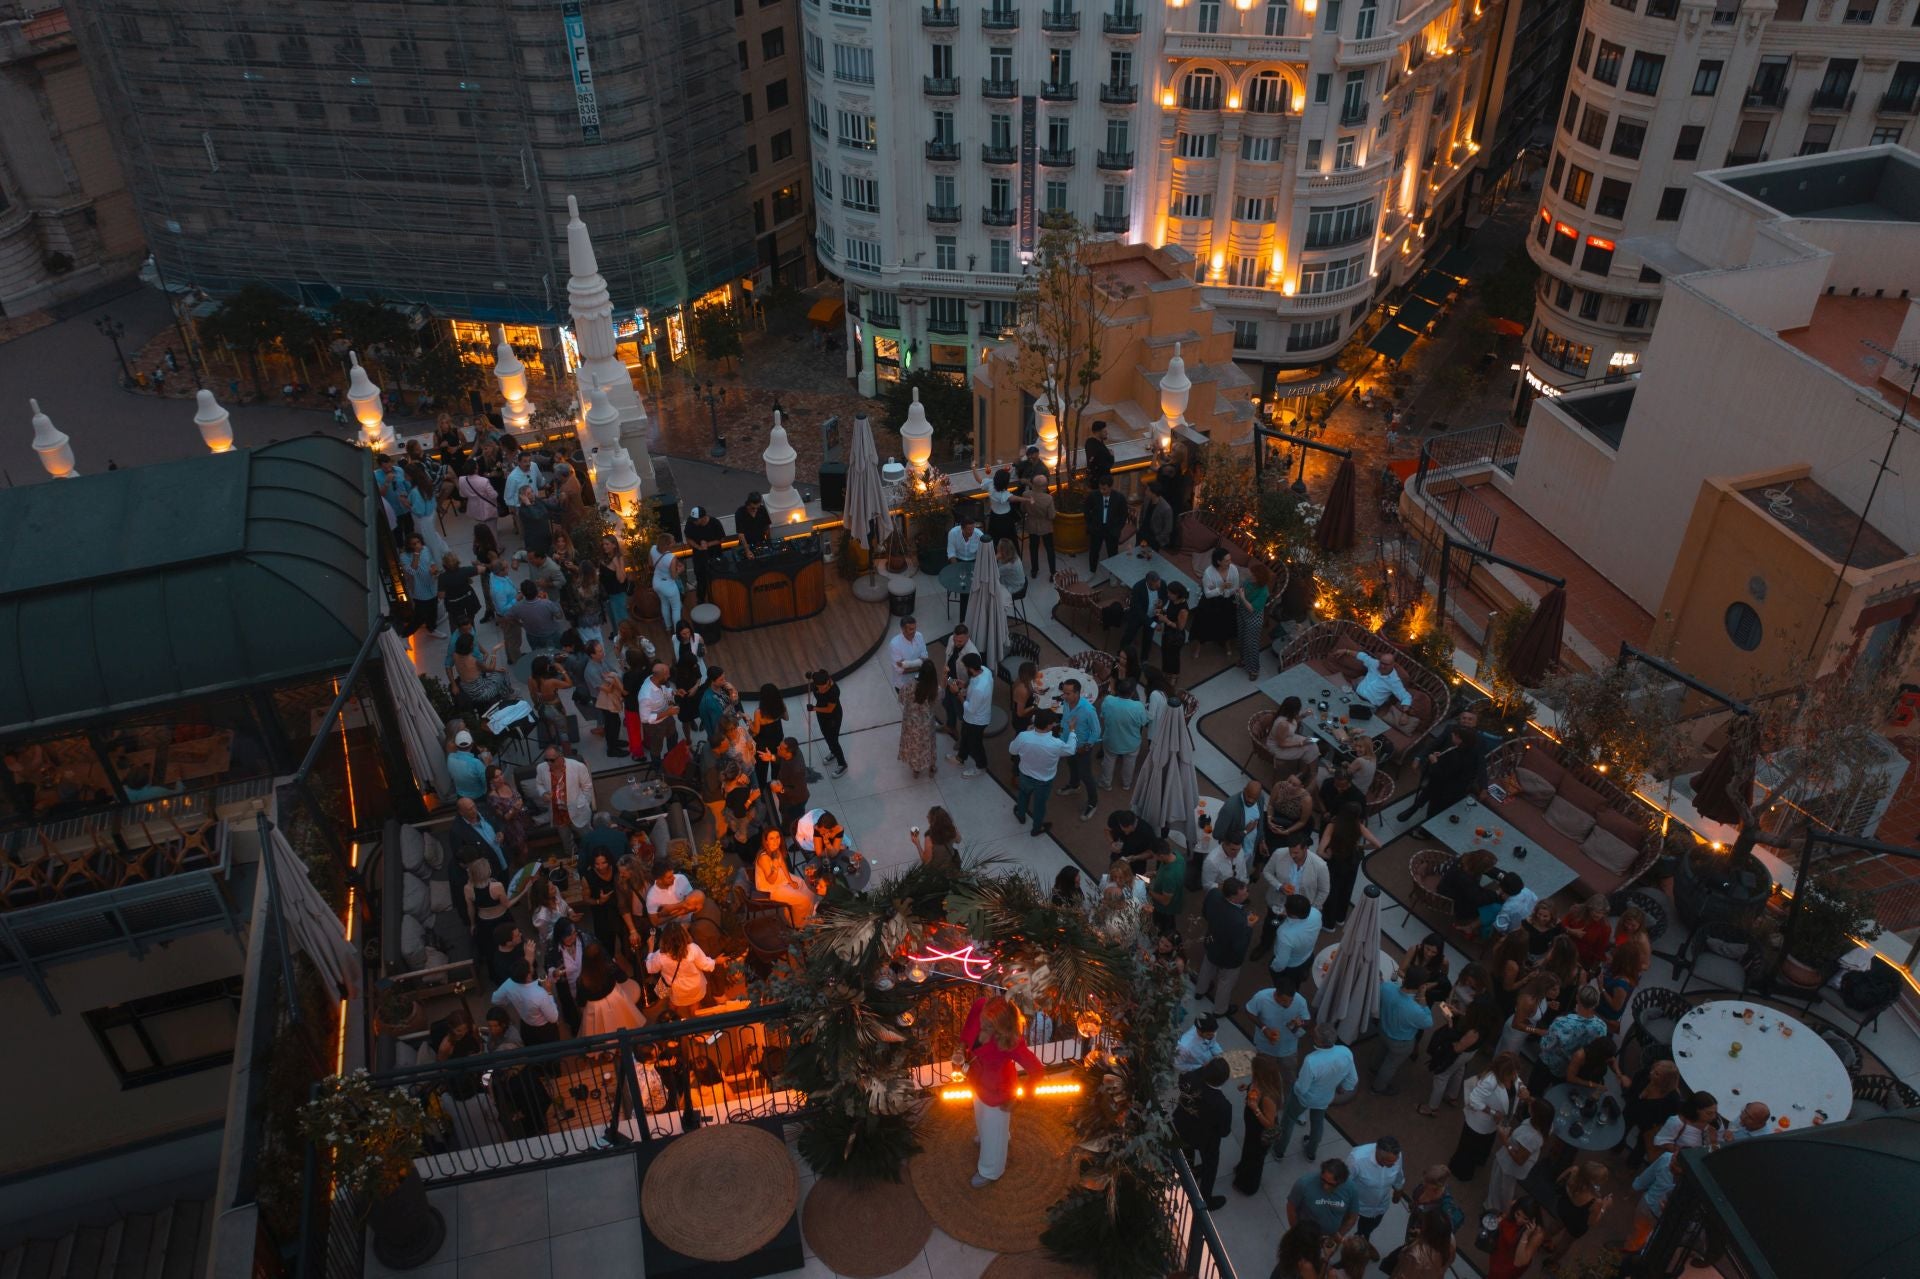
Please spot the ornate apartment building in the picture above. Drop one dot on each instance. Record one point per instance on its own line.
(1662, 88)
(1307, 153)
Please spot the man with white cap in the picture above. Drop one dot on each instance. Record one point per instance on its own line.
(468, 769)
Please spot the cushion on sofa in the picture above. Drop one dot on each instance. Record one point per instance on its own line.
(1622, 826)
(439, 894)
(1581, 796)
(1191, 534)
(1568, 818)
(436, 958)
(1609, 850)
(413, 943)
(1541, 761)
(413, 848)
(1534, 788)
(415, 898)
(1349, 665)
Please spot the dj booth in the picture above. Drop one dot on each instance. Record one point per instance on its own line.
(784, 581)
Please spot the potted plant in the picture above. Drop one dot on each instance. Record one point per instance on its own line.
(1069, 520)
(1821, 927)
(374, 1134)
(929, 515)
(398, 1012)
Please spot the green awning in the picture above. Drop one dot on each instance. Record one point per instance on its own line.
(154, 584)
(1458, 263)
(1415, 312)
(1434, 287)
(1393, 341)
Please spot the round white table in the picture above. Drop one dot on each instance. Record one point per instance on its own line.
(1781, 1062)
(1048, 697)
(1323, 964)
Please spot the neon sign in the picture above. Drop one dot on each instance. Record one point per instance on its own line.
(973, 964)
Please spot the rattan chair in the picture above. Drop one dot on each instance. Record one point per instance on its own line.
(1259, 724)
(1098, 665)
(1426, 868)
(1884, 1091)
(1075, 599)
(1656, 1010)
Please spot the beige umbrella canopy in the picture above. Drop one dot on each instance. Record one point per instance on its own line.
(987, 607)
(310, 923)
(1349, 999)
(1165, 791)
(421, 731)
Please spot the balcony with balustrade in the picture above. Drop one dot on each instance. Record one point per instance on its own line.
(945, 214)
(1113, 161)
(1120, 24)
(940, 151)
(1057, 157)
(941, 86)
(940, 17)
(1060, 20)
(1060, 90)
(991, 154)
(1119, 94)
(994, 216)
(999, 19)
(991, 88)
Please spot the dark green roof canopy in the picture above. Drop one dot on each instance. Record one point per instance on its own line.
(1414, 313)
(1393, 341)
(135, 588)
(1833, 1201)
(1434, 286)
(1457, 263)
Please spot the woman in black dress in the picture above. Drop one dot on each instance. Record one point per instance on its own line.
(600, 883)
(769, 730)
(1173, 616)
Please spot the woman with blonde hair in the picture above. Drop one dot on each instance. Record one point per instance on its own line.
(994, 1049)
(774, 879)
(486, 904)
(1582, 1200)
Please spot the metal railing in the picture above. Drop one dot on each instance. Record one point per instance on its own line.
(1831, 100)
(1061, 158)
(990, 216)
(999, 19)
(943, 213)
(1059, 19)
(991, 154)
(939, 17)
(991, 88)
(1767, 95)
(1060, 90)
(941, 86)
(1120, 24)
(1119, 94)
(1900, 103)
(1113, 160)
(943, 150)
(1112, 222)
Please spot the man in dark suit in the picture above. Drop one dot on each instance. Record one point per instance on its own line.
(1201, 1120)
(1141, 602)
(1241, 814)
(1099, 456)
(1106, 517)
(471, 835)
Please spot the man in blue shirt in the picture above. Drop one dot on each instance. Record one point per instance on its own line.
(1403, 1015)
(469, 770)
(1298, 934)
(1199, 1045)
(1654, 1183)
(1080, 721)
(1123, 720)
(1327, 1071)
(502, 595)
(1568, 1034)
(1325, 1197)
(421, 570)
(1280, 1015)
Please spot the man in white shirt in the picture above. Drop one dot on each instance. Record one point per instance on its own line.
(1517, 903)
(658, 713)
(976, 712)
(1037, 754)
(1382, 688)
(531, 1003)
(905, 653)
(964, 541)
(671, 895)
(523, 475)
(1379, 1175)
(1226, 861)
(819, 832)
(1199, 1045)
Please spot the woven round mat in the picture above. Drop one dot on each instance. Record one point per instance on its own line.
(864, 1229)
(720, 1192)
(1008, 1215)
(1032, 1265)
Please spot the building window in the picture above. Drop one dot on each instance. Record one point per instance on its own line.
(1000, 132)
(746, 107)
(782, 145)
(1260, 150)
(946, 253)
(1332, 277)
(1887, 133)
(1564, 239)
(816, 52)
(753, 158)
(1253, 208)
(773, 44)
(1059, 134)
(1638, 310)
(852, 64)
(1860, 10)
(1113, 200)
(1322, 86)
(759, 217)
(1706, 79)
(1554, 174)
(1593, 127)
(1207, 17)
(1543, 229)
(948, 315)
(1612, 202)
(1572, 116)
(1200, 90)
(1586, 51)
(823, 181)
(160, 1037)
(1268, 95)
(1563, 295)
(860, 193)
(884, 309)
(1276, 17)
(1000, 256)
(856, 130)
(1313, 155)
(777, 95)
(1628, 137)
(1000, 194)
(1579, 184)
(1743, 626)
(1330, 12)
(1342, 224)
(1606, 62)
(1688, 146)
(863, 253)
(1363, 22)
(1056, 201)
(1562, 354)
(1818, 138)
(1248, 273)
(1590, 305)
(1197, 146)
(1597, 260)
(1316, 333)
(817, 119)
(1246, 335)
(1343, 154)
(1193, 204)
(1645, 75)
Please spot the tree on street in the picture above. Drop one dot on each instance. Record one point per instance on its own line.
(948, 406)
(257, 320)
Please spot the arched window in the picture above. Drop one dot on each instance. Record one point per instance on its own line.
(1268, 94)
(1201, 90)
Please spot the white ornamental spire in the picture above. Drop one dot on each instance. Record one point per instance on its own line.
(55, 450)
(784, 502)
(916, 437)
(591, 308)
(512, 376)
(216, 427)
(1175, 386)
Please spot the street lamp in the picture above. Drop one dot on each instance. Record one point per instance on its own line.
(113, 330)
(713, 395)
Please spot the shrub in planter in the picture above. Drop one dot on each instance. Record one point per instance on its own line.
(373, 1135)
(1822, 927)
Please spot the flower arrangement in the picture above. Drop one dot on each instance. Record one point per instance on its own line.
(373, 1133)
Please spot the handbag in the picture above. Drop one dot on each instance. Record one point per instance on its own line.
(612, 694)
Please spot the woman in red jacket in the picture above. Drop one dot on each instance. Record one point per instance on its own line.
(994, 1048)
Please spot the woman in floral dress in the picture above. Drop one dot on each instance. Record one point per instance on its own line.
(918, 703)
(509, 814)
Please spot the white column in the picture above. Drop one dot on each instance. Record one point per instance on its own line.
(367, 409)
(784, 502)
(216, 428)
(1175, 387)
(55, 450)
(591, 307)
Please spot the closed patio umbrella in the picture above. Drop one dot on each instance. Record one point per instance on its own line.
(1336, 531)
(311, 925)
(1538, 647)
(422, 732)
(1727, 774)
(1165, 790)
(1349, 999)
(987, 607)
(866, 513)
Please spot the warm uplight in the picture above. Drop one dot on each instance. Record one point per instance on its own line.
(1038, 1090)
(1233, 102)
(797, 517)
(1167, 98)
(1279, 263)
(1288, 286)
(1299, 103)
(1219, 264)
(1311, 7)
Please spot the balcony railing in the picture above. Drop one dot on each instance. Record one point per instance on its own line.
(992, 329)
(943, 213)
(942, 86)
(1116, 161)
(1901, 102)
(1111, 222)
(1060, 91)
(1767, 95)
(1831, 100)
(1355, 113)
(1120, 93)
(940, 16)
(1735, 158)
(944, 324)
(991, 88)
(1120, 24)
(1059, 19)
(999, 19)
(991, 154)
(943, 150)
(1060, 158)
(991, 216)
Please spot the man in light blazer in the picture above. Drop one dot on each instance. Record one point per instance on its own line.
(566, 787)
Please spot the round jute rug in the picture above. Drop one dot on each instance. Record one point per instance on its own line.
(864, 1229)
(720, 1192)
(1008, 1215)
(1032, 1265)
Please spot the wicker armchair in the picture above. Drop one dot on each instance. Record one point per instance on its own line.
(1426, 867)
(1259, 724)
(1884, 1091)
(1380, 794)
(1075, 600)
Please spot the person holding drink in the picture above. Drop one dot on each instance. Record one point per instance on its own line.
(994, 1049)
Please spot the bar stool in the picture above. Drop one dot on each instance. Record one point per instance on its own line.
(706, 621)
